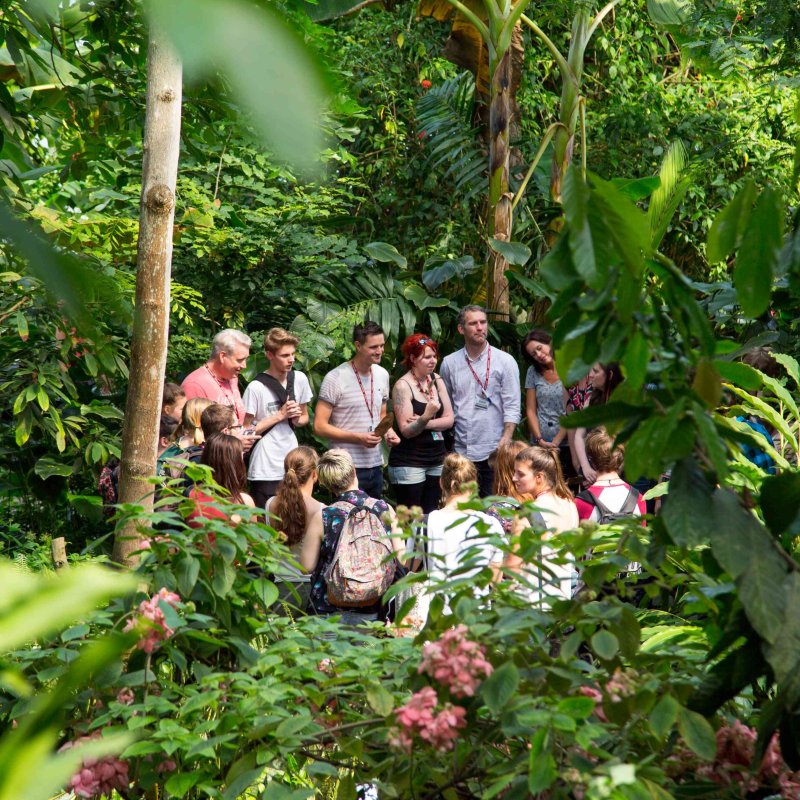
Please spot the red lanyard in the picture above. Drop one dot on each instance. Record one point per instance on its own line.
(485, 384)
(367, 403)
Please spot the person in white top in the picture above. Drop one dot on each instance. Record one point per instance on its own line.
(454, 536)
(275, 403)
(537, 471)
(352, 401)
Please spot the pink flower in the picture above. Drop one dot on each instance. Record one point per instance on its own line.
(151, 620)
(417, 716)
(456, 662)
(619, 686)
(588, 691)
(98, 777)
(125, 696)
(166, 766)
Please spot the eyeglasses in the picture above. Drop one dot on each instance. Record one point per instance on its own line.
(235, 427)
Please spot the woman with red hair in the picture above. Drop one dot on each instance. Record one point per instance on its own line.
(422, 410)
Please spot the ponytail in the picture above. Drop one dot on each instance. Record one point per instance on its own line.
(559, 484)
(289, 505)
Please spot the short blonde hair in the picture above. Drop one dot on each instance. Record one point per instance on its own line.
(336, 471)
(457, 472)
(190, 421)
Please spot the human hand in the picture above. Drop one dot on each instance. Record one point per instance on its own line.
(391, 438)
(291, 409)
(550, 445)
(431, 408)
(368, 439)
(248, 441)
(590, 475)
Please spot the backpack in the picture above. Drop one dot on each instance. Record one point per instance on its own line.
(363, 567)
(605, 515)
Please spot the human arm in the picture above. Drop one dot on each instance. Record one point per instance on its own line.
(510, 396)
(580, 454)
(447, 419)
(532, 416)
(323, 427)
(312, 541)
(409, 423)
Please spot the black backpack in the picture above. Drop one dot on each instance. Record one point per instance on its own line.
(605, 515)
(274, 385)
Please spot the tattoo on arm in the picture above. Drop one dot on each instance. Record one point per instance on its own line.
(402, 396)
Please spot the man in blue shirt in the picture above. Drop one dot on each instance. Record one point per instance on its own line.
(483, 383)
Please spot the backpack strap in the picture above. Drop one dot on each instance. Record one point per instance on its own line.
(631, 502)
(602, 509)
(282, 393)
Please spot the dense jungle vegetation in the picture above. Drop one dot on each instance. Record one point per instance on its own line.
(655, 193)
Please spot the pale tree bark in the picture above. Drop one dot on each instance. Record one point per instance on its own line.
(153, 265)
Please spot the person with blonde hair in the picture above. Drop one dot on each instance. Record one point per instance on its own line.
(450, 534)
(337, 474)
(296, 513)
(537, 471)
(276, 403)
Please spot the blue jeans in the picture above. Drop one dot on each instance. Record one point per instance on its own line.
(370, 480)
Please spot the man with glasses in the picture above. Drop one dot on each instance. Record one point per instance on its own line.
(218, 378)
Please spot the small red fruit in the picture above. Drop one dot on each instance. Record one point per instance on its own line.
(425, 84)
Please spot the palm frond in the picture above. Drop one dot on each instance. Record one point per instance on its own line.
(444, 116)
(675, 180)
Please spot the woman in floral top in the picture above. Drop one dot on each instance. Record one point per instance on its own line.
(337, 474)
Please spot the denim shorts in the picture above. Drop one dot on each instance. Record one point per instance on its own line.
(411, 475)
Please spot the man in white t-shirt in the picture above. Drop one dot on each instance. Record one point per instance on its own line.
(275, 403)
(352, 401)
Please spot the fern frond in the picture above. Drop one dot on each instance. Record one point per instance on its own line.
(444, 115)
(675, 180)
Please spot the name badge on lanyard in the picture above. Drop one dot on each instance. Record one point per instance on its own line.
(482, 400)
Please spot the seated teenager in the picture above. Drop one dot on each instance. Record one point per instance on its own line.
(609, 497)
(298, 515)
(224, 454)
(337, 474)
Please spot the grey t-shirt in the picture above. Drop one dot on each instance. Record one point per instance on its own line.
(549, 403)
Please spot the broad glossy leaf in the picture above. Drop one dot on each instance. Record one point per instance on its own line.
(686, 511)
(382, 251)
(500, 686)
(434, 277)
(273, 74)
(605, 644)
(636, 188)
(673, 184)
(729, 223)
(513, 252)
(758, 254)
(698, 734)
(663, 716)
(575, 195)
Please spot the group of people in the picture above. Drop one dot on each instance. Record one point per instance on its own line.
(474, 401)
(472, 406)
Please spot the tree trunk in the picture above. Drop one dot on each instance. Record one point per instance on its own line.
(153, 264)
(500, 199)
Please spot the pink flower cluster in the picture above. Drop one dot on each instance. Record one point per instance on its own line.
(440, 730)
(98, 777)
(733, 765)
(456, 662)
(151, 620)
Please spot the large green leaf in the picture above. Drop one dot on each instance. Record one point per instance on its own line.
(381, 251)
(758, 254)
(273, 74)
(35, 605)
(673, 184)
(513, 252)
(729, 223)
(575, 195)
(500, 686)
